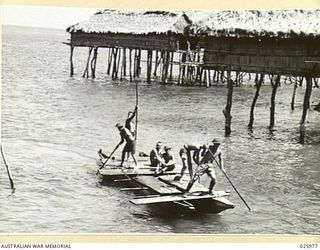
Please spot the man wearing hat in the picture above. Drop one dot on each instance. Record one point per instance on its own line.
(169, 162)
(126, 136)
(212, 156)
(156, 155)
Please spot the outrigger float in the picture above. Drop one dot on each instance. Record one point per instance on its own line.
(161, 193)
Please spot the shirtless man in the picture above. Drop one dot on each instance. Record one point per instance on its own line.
(168, 163)
(212, 156)
(156, 155)
(129, 147)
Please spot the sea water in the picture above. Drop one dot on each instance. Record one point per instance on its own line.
(53, 125)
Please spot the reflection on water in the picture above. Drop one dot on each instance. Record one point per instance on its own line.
(52, 126)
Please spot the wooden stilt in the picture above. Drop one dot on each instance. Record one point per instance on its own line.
(295, 85)
(135, 63)
(255, 98)
(163, 66)
(208, 80)
(71, 61)
(121, 64)
(155, 64)
(149, 65)
(138, 63)
(118, 63)
(274, 83)
(222, 76)
(94, 63)
(86, 71)
(184, 58)
(306, 104)
(227, 110)
(114, 67)
(130, 64)
(110, 52)
(124, 62)
(171, 65)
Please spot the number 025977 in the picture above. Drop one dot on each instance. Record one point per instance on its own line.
(308, 246)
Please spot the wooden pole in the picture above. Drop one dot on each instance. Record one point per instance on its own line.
(255, 98)
(227, 110)
(149, 65)
(114, 69)
(306, 103)
(139, 63)
(118, 62)
(295, 85)
(86, 71)
(71, 61)
(8, 169)
(171, 65)
(274, 83)
(110, 51)
(155, 64)
(130, 64)
(94, 62)
(124, 61)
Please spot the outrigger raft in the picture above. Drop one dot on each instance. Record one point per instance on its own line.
(162, 193)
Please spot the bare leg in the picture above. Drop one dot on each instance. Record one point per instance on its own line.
(122, 158)
(134, 159)
(213, 180)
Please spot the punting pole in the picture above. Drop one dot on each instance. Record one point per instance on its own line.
(8, 169)
(137, 103)
(235, 189)
(115, 149)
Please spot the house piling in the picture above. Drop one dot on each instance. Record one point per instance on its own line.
(206, 48)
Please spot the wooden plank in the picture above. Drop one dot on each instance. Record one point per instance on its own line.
(217, 195)
(170, 198)
(183, 183)
(156, 185)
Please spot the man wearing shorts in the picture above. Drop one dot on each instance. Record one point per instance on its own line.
(212, 156)
(126, 136)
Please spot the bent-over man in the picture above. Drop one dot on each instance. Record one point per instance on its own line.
(212, 156)
(168, 163)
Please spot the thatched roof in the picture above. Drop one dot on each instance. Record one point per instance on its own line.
(259, 23)
(226, 23)
(133, 22)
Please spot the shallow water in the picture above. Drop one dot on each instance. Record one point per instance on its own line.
(52, 126)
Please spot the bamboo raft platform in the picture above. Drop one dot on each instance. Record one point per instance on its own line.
(161, 193)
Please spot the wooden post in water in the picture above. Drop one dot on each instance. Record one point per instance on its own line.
(295, 85)
(155, 64)
(118, 62)
(71, 60)
(275, 81)
(306, 104)
(208, 82)
(86, 71)
(255, 98)
(94, 62)
(114, 68)
(124, 61)
(227, 109)
(171, 65)
(109, 60)
(130, 64)
(139, 63)
(149, 66)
